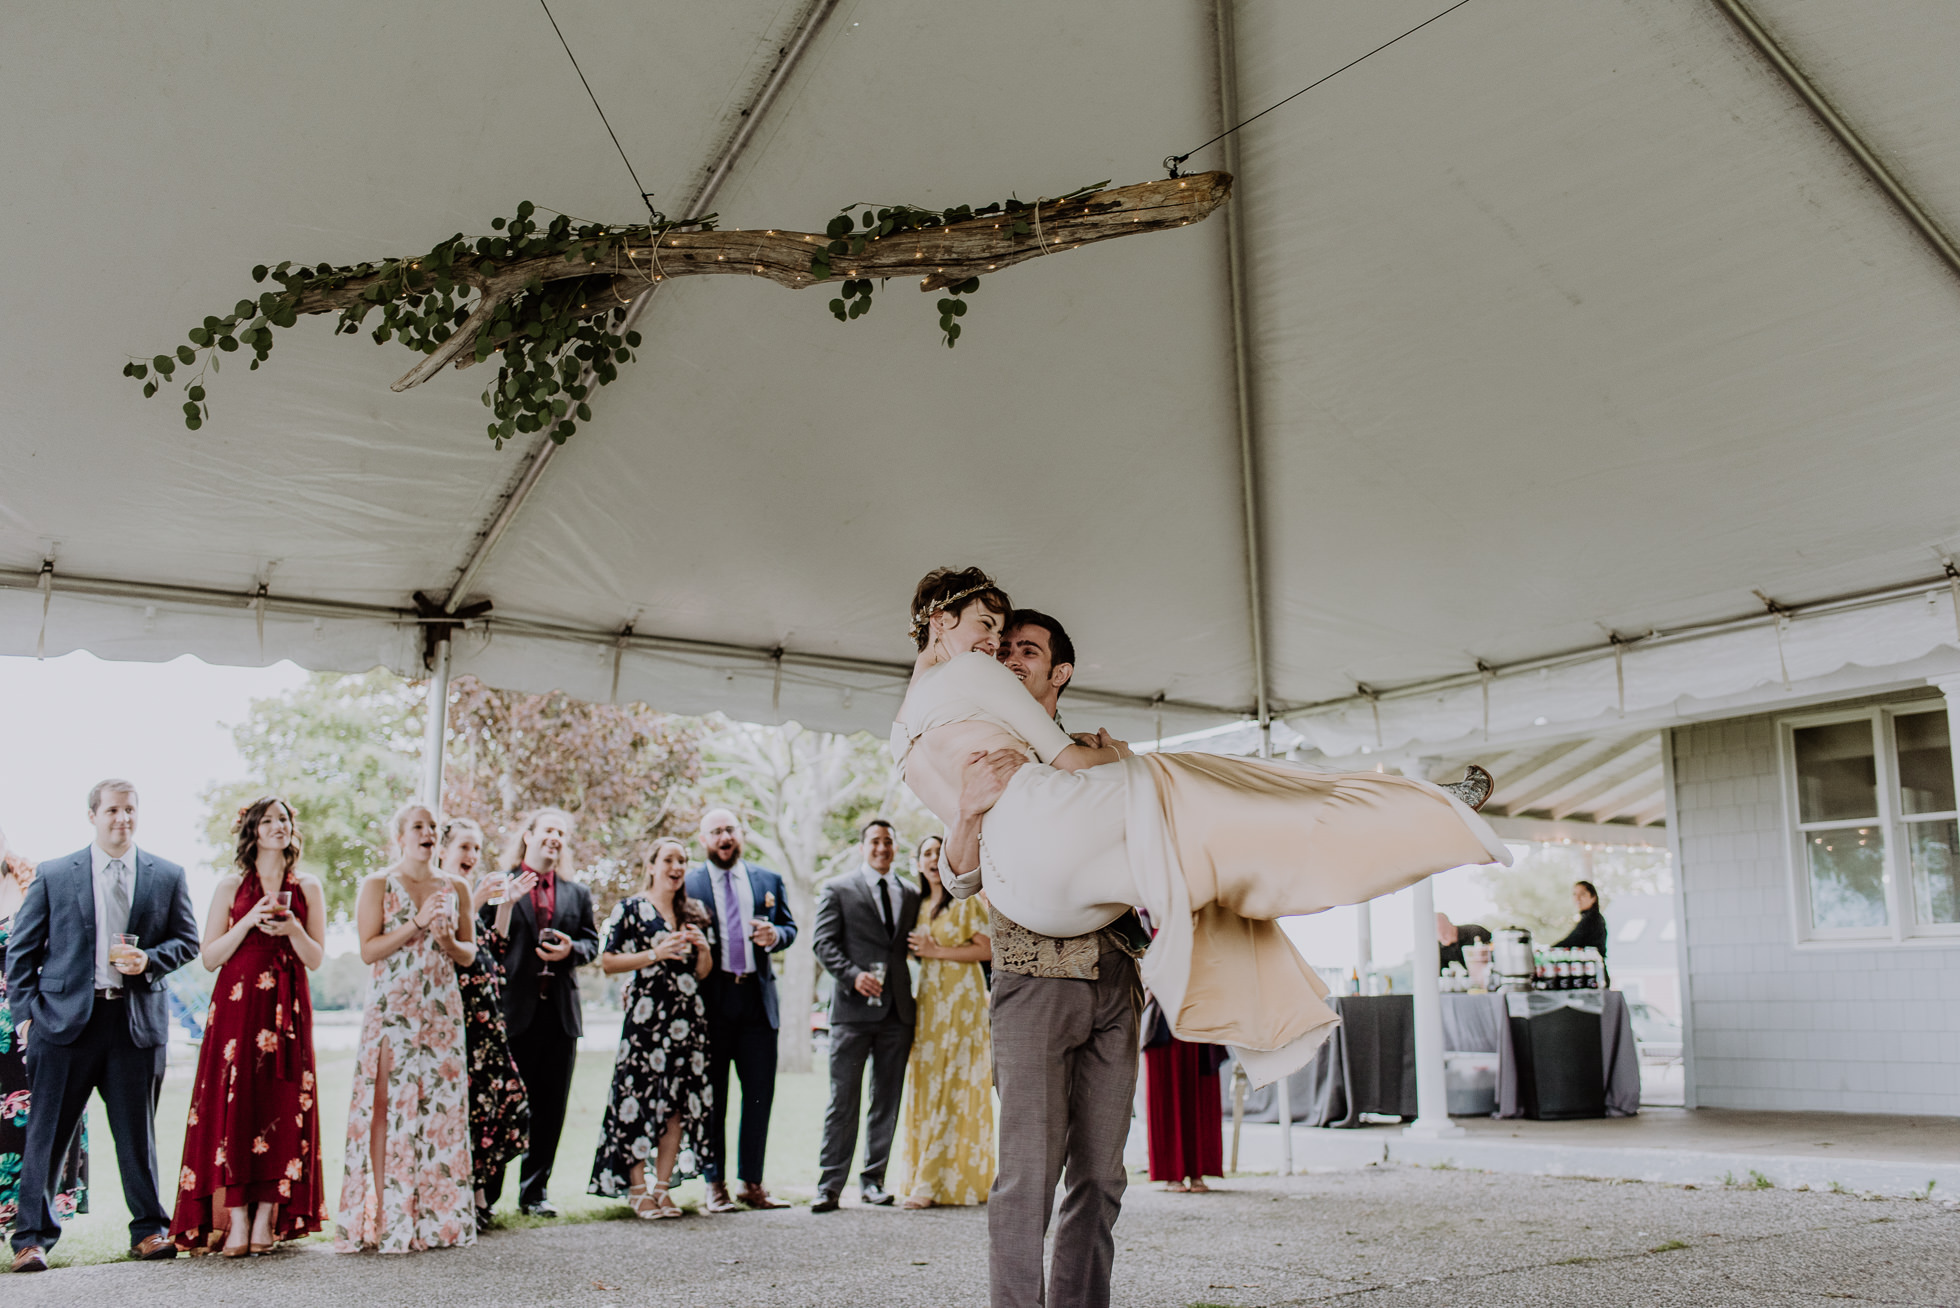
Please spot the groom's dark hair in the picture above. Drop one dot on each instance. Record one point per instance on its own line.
(1060, 648)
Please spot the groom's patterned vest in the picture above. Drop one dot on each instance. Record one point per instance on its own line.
(1072, 958)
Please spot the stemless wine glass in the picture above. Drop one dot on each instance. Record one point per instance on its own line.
(282, 904)
(121, 946)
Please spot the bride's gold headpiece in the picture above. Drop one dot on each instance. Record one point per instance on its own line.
(925, 616)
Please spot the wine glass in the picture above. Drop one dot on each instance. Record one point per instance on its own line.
(877, 971)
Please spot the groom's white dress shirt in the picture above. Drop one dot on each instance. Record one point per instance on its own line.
(107, 872)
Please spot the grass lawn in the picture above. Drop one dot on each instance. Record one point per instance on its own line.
(102, 1234)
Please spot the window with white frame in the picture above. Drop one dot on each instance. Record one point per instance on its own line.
(1877, 834)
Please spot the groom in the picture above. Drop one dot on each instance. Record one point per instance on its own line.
(1065, 1044)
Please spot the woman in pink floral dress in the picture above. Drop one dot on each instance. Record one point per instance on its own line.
(407, 1180)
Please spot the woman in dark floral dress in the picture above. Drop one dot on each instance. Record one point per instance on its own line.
(660, 1095)
(16, 873)
(251, 1170)
(500, 1113)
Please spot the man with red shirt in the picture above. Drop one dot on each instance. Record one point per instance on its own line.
(552, 935)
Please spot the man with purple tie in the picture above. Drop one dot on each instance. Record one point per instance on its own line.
(750, 908)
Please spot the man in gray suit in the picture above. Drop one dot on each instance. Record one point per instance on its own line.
(863, 919)
(1065, 1042)
(91, 1006)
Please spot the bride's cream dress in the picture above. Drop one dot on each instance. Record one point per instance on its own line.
(1214, 849)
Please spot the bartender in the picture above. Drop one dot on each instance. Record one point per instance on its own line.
(1453, 938)
(1590, 931)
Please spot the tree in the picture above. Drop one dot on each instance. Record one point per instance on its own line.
(342, 750)
(627, 774)
(802, 795)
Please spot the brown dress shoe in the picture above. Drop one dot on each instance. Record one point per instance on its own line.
(153, 1248)
(31, 1259)
(718, 1200)
(756, 1197)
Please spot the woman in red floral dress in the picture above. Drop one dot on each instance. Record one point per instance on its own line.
(251, 1171)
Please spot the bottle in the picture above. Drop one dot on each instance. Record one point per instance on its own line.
(1354, 982)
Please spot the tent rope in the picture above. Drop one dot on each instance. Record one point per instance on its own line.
(646, 196)
(1172, 162)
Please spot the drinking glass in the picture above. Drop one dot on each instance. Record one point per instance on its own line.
(121, 946)
(282, 904)
(546, 937)
(503, 890)
(877, 971)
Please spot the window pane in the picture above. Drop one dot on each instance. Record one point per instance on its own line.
(1837, 772)
(1925, 763)
(1935, 869)
(1847, 877)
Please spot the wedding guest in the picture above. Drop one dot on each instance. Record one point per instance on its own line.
(946, 1133)
(749, 907)
(860, 943)
(16, 1099)
(500, 1114)
(406, 1185)
(551, 935)
(95, 935)
(1453, 937)
(250, 1176)
(660, 1094)
(1183, 1110)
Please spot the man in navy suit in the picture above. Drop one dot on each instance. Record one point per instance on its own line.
(752, 920)
(552, 935)
(93, 1013)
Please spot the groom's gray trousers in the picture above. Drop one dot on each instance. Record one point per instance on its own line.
(1065, 1064)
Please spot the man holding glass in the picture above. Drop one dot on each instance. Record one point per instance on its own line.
(92, 943)
(863, 921)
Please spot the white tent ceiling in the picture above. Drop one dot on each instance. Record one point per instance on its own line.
(1562, 319)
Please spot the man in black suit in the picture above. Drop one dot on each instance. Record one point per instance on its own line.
(93, 1013)
(552, 935)
(749, 906)
(863, 920)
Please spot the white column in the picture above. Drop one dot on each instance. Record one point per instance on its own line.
(1364, 941)
(432, 735)
(1432, 1090)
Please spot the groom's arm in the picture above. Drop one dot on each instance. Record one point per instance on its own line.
(982, 782)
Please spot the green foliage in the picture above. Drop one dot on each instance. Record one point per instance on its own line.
(548, 333)
(342, 750)
(857, 227)
(1536, 891)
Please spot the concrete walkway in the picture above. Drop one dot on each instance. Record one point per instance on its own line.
(1867, 1153)
(1397, 1237)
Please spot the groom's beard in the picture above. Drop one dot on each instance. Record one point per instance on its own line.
(734, 857)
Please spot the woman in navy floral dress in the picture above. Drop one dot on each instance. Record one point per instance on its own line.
(500, 1111)
(15, 1098)
(660, 1094)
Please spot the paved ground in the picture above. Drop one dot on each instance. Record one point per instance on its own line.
(1386, 1237)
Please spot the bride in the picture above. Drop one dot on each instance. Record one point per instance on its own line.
(1212, 849)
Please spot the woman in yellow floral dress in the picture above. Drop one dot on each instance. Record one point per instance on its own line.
(946, 1129)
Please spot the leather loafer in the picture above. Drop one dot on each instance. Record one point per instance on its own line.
(542, 1208)
(874, 1195)
(718, 1200)
(826, 1203)
(153, 1248)
(31, 1259)
(757, 1197)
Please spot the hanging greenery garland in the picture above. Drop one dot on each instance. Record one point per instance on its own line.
(552, 299)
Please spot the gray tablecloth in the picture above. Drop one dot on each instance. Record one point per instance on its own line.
(1369, 1064)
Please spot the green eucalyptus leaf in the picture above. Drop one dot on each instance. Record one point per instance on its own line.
(149, 389)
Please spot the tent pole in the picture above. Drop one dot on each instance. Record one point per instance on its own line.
(814, 15)
(1847, 136)
(1228, 113)
(1426, 961)
(436, 728)
(1228, 110)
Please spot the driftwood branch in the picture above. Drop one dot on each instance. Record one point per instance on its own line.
(939, 256)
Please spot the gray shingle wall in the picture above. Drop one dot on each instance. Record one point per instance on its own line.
(1775, 1025)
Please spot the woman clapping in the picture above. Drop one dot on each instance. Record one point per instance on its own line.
(251, 1168)
(407, 1179)
(660, 1095)
(500, 1111)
